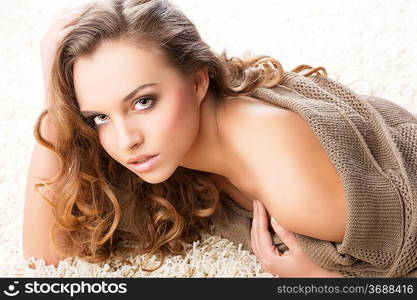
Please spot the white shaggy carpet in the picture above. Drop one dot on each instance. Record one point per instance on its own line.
(367, 45)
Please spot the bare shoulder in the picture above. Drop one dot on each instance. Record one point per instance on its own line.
(247, 107)
(245, 118)
(296, 181)
(264, 124)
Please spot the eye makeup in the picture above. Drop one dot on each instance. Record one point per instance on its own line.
(150, 98)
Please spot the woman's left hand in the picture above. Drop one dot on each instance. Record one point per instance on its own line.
(293, 262)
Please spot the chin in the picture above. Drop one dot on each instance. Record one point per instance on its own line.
(156, 176)
(152, 181)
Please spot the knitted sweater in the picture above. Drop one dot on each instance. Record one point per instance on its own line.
(372, 143)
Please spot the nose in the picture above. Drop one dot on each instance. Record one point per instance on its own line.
(128, 134)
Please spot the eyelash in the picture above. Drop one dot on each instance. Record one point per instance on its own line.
(90, 120)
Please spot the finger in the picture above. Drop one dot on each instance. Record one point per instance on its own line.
(261, 241)
(61, 34)
(262, 228)
(287, 237)
(257, 249)
(271, 260)
(69, 9)
(253, 231)
(264, 236)
(67, 18)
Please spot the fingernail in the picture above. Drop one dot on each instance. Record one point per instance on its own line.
(273, 221)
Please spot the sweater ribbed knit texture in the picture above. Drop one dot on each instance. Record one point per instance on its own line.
(372, 143)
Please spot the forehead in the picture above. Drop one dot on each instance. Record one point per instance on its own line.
(116, 67)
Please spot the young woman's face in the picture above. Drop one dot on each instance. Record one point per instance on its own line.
(160, 118)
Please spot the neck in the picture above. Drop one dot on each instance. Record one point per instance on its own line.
(211, 151)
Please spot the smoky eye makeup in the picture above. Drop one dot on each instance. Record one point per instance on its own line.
(90, 120)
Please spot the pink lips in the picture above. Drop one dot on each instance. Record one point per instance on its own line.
(145, 166)
(138, 158)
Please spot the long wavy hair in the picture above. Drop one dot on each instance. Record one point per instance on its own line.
(92, 192)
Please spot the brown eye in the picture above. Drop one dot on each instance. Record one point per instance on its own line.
(145, 101)
(99, 118)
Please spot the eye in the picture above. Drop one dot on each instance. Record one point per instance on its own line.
(144, 101)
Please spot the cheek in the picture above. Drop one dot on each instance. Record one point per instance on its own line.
(106, 144)
(180, 119)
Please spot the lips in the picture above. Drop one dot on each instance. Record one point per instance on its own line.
(140, 157)
(146, 166)
(143, 160)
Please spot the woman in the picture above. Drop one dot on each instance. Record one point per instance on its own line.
(152, 124)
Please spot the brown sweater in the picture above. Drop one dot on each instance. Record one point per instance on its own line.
(372, 143)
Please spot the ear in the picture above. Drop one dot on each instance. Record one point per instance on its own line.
(201, 83)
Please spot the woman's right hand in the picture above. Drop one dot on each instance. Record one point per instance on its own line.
(51, 39)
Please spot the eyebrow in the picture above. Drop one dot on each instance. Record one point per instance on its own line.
(87, 113)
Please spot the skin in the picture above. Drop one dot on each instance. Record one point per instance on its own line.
(293, 262)
(204, 144)
(182, 125)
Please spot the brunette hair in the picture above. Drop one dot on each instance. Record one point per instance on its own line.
(92, 191)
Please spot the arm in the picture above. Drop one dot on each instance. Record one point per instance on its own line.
(246, 203)
(38, 216)
(300, 187)
(293, 262)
